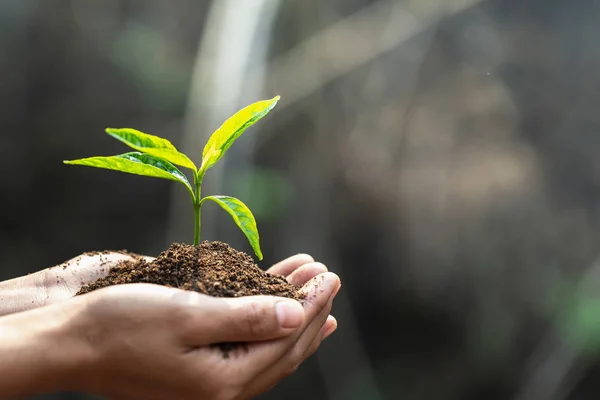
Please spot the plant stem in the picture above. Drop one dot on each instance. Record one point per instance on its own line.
(197, 204)
(196, 224)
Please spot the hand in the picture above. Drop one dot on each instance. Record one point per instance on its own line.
(56, 284)
(298, 270)
(154, 342)
(80, 339)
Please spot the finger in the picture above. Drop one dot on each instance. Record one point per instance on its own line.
(306, 345)
(319, 291)
(302, 345)
(328, 328)
(305, 273)
(290, 264)
(209, 320)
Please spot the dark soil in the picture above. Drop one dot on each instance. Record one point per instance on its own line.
(212, 268)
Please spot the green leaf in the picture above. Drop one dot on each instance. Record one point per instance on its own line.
(242, 217)
(232, 129)
(150, 144)
(136, 163)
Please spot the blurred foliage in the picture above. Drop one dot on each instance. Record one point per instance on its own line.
(441, 156)
(266, 192)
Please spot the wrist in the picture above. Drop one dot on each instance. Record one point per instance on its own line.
(41, 352)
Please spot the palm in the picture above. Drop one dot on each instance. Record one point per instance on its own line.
(64, 281)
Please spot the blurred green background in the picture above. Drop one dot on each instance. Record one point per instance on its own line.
(441, 156)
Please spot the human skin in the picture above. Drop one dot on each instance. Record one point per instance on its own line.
(153, 342)
(59, 283)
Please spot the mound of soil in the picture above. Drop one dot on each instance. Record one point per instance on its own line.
(212, 268)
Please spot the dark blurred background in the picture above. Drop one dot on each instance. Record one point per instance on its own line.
(441, 156)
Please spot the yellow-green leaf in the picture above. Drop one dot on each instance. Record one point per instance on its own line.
(232, 129)
(242, 217)
(150, 144)
(137, 163)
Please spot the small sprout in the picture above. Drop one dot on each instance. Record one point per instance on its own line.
(157, 157)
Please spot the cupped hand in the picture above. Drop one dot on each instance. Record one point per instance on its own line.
(57, 284)
(153, 342)
(63, 281)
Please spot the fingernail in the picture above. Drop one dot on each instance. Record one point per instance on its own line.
(331, 326)
(290, 314)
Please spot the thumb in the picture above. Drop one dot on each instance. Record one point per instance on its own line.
(242, 319)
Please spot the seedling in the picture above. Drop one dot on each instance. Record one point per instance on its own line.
(157, 157)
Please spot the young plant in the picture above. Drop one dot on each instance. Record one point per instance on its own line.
(157, 157)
